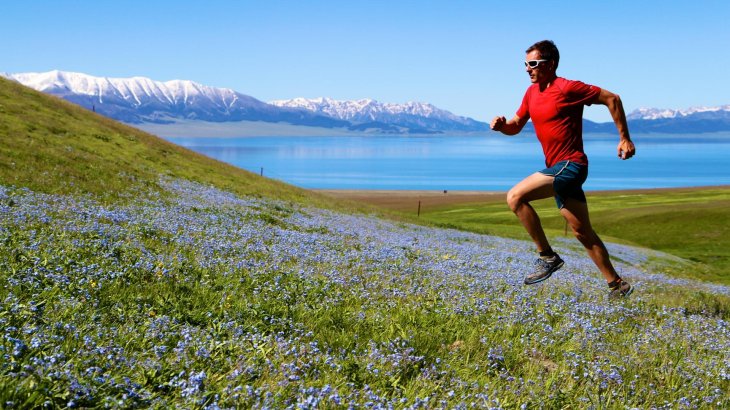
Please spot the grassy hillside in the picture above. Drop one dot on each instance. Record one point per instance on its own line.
(52, 146)
(139, 275)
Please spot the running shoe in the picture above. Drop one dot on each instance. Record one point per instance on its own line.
(544, 268)
(619, 289)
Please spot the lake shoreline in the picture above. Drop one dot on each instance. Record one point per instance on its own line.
(195, 129)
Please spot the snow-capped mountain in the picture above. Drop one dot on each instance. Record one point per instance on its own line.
(671, 121)
(140, 99)
(659, 113)
(366, 112)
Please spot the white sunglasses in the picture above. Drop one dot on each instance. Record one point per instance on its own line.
(534, 63)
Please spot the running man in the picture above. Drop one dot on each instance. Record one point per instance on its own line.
(555, 106)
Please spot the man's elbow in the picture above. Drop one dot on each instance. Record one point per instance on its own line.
(613, 100)
(617, 100)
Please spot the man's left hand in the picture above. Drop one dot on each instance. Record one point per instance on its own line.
(626, 149)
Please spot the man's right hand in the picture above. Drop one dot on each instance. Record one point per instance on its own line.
(508, 127)
(497, 123)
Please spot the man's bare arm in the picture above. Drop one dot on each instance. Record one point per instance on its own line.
(508, 127)
(626, 147)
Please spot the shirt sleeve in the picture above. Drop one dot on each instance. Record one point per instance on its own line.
(524, 110)
(581, 93)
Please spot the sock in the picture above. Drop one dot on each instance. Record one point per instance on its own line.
(549, 253)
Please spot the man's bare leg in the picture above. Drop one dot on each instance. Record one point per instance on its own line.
(534, 187)
(576, 213)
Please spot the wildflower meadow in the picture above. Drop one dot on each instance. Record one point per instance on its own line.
(187, 296)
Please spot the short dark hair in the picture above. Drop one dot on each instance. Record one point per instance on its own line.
(548, 51)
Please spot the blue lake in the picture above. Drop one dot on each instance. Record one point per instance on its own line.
(492, 163)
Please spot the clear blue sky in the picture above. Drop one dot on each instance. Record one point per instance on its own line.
(463, 56)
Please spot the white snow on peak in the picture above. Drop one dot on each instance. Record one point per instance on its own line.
(135, 90)
(660, 113)
(366, 109)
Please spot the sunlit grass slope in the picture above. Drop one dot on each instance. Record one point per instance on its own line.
(52, 146)
(136, 274)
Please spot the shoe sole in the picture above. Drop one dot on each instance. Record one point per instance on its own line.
(549, 274)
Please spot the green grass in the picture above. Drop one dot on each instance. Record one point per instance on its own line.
(693, 224)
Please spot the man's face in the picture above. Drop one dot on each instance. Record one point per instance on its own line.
(544, 71)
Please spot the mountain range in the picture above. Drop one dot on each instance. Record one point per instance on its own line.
(140, 100)
(690, 120)
(367, 113)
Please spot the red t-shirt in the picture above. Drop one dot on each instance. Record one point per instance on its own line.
(557, 114)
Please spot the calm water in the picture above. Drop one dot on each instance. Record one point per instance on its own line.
(491, 162)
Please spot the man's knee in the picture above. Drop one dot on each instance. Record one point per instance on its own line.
(514, 200)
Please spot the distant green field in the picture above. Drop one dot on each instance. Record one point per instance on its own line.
(693, 224)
